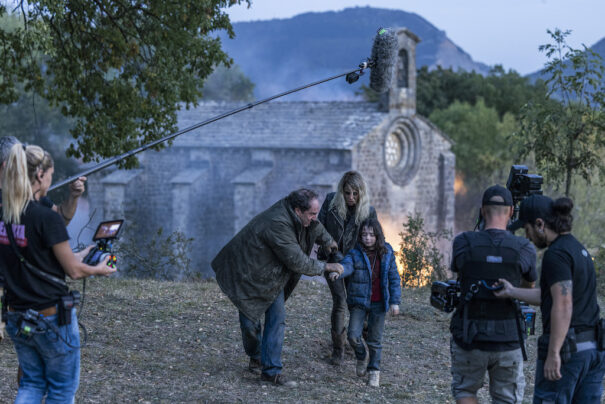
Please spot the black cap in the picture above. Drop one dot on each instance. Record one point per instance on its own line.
(532, 208)
(497, 190)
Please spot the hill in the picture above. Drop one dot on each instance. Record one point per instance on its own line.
(598, 47)
(166, 342)
(281, 54)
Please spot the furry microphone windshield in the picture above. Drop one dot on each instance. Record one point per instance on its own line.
(383, 59)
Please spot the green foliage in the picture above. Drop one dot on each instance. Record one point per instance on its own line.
(119, 69)
(483, 153)
(564, 130)
(505, 91)
(588, 212)
(419, 255)
(480, 137)
(31, 120)
(599, 265)
(157, 257)
(228, 84)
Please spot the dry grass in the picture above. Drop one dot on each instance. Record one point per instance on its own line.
(163, 342)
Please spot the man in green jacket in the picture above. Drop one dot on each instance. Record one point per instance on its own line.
(259, 268)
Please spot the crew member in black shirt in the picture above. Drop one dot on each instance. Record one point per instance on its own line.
(570, 368)
(35, 256)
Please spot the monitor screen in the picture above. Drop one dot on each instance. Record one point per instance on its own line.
(108, 230)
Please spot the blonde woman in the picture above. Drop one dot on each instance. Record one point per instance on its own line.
(341, 214)
(35, 256)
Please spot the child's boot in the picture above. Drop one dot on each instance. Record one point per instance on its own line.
(374, 378)
(362, 365)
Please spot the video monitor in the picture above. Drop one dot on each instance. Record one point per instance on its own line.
(108, 230)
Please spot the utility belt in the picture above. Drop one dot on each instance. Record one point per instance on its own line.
(62, 309)
(593, 338)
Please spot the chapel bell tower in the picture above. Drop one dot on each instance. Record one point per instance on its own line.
(400, 99)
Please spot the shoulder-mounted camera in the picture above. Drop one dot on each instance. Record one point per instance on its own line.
(521, 184)
(445, 296)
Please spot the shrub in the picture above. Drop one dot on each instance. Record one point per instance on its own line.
(420, 258)
(157, 257)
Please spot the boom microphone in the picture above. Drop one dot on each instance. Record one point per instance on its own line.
(383, 59)
(382, 65)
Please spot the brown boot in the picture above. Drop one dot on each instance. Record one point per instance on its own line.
(255, 366)
(338, 348)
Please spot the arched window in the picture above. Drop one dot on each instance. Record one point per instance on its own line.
(402, 69)
(402, 149)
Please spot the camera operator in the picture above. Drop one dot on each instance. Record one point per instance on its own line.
(35, 256)
(259, 268)
(341, 214)
(571, 364)
(486, 334)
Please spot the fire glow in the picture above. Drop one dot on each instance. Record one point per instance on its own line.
(459, 186)
(392, 234)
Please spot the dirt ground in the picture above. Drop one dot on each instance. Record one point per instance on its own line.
(163, 342)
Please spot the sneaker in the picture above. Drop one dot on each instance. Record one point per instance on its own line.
(255, 366)
(278, 380)
(374, 378)
(362, 365)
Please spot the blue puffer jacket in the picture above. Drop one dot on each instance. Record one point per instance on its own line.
(357, 266)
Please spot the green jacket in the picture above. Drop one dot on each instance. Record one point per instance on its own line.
(267, 256)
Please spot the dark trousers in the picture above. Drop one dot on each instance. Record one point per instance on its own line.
(339, 305)
(375, 315)
(581, 382)
(266, 346)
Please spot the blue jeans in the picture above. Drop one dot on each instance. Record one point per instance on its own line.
(376, 316)
(581, 382)
(49, 365)
(267, 347)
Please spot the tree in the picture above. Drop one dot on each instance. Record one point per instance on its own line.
(506, 91)
(31, 120)
(228, 84)
(120, 69)
(564, 130)
(437, 89)
(483, 153)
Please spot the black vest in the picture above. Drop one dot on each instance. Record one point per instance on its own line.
(485, 317)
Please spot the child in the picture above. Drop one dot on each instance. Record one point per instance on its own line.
(373, 287)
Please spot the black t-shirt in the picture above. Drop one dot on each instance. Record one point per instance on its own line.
(567, 259)
(44, 201)
(40, 229)
(527, 258)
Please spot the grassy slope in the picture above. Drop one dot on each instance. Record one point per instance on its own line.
(180, 342)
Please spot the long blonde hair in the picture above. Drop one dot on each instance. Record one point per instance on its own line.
(22, 166)
(362, 208)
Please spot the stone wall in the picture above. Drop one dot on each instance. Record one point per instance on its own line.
(429, 188)
(209, 194)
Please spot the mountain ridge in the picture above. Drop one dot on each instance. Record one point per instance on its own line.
(280, 54)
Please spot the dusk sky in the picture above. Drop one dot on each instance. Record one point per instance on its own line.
(493, 32)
